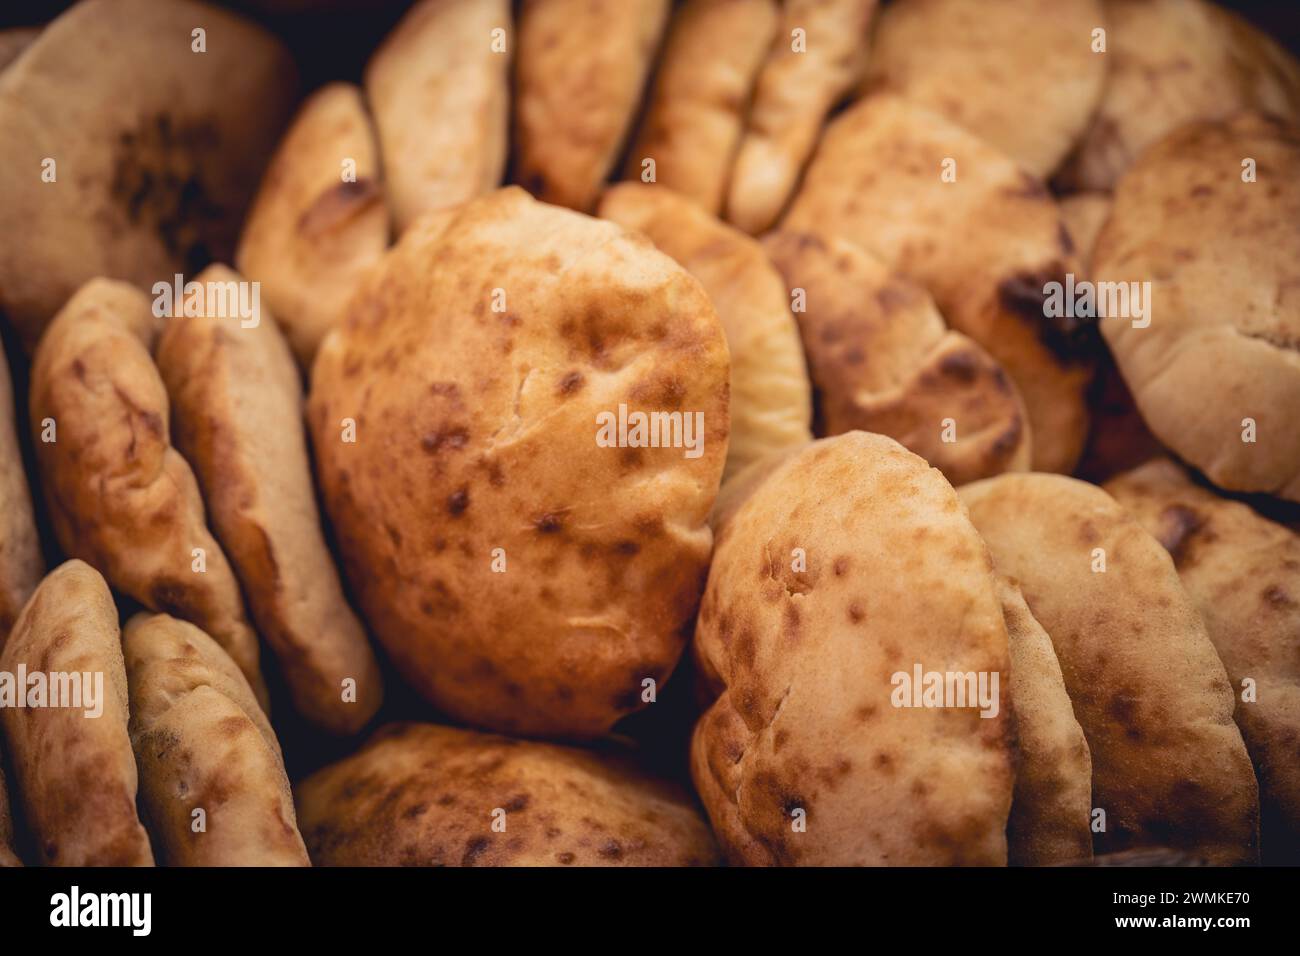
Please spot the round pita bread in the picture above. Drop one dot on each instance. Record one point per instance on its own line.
(696, 115)
(1019, 74)
(75, 775)
(422, 795)
(580, 72)
(882, 360)
(206, 752)
(237, 417)
(1168, 765)
(312, 232)
(851, 563)
(1216, 369)
(526, 566)
(771, 399)
(120, 496)
(440, 97)
(985, 246)
(1172, 62)
(157, 148)
(1242, 571)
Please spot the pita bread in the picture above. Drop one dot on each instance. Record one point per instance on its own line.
(439, 94)
(13, 42)
(1241, 570)
(993, 65)
(1084, 215)
(21, 562)
(806, 661)
(1172, 62)
(1051, 811)
(1222, 347)
(806, 73)
(481, 367)
(311, 233)
(158, 149)
(770, 395)
(1168, 765)
(120, 496)
(74, 775)
(701, 91)
(237, 417)
(882, 360)
(984, 245)
(203, 743)
(8, 857)
(578, 81)
(421, 795)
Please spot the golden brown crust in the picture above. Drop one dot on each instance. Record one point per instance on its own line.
(74, 774)
(476, 448)
(440, 98)
(120, 496)
(794, 93)
(882, 360)
(21, 562)
(311, 233)
(1220, 255)
(771, 399)
(1051, 812)
(147, 181)
(237, 417)
(984, 245)
(894, 576)
(203, 743)
(1168, 765)
(423, 795)
(1019, 74)
(702, 86)
(1242, 571)
(581, 68)
(1172, 62)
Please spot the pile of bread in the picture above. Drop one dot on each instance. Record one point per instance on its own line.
(822, 229)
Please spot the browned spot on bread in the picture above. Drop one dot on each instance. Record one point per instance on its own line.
(337, 205)
(1178, 526)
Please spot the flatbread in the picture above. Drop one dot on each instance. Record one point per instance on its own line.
(1168, 765)
(74, 775)
(237, 417)
(212, 780)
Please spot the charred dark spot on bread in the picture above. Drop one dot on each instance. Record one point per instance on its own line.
(458, 502)
(961, 366)
(1070, 338)
(570, 384)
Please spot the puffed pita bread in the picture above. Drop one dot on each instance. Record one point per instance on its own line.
(700, 96)
(882, 360)
(237, 417)
(1084, 214)
(1223, 342)
(74, 775)
(8, 857)
(423, 795)
(805, 663)
(1168, 765)
(771, 399)
(483, 366)
(157, 148)
(1242, 571)
(580, 72)
(120, 496)
(1051, 813)
(796, 89)
(1172, 62)
(985, 246)
(202, 742)
(440, 98)
(13, 42)
(21, 562)
(1019, 74)
(311, 232)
